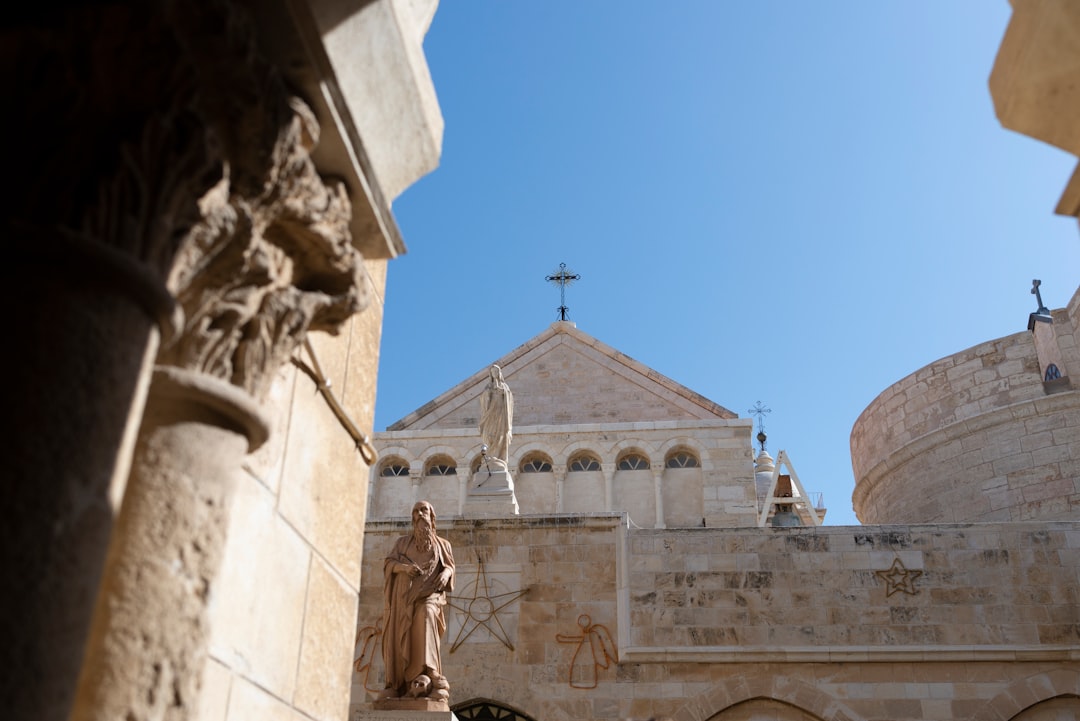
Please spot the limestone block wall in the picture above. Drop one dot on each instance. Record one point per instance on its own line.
(974, 436)
(718, 492)
(284, 610)
(962, 621)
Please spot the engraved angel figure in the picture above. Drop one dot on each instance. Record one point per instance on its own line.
(584, 673)
(367, 640)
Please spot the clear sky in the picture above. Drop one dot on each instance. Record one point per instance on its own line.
(792, 202)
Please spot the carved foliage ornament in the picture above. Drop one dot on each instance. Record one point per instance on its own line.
(176, 153)
(257, 273)
(272, 257)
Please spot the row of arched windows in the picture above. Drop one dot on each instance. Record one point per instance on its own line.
(537, 462)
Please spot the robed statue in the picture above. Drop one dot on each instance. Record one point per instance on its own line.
(419, 572)
(497, 418)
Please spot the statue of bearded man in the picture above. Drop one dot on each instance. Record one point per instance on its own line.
(419, 572)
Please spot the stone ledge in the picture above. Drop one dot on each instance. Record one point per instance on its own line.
(440, 714)
(408, 707)
(832, 654)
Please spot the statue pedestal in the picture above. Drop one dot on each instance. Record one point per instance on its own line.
(405, 709)
(491, 493)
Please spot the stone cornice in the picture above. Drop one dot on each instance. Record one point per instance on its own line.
(521, 431)
(848, 654)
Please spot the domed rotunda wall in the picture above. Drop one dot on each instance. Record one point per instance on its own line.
(975, 436)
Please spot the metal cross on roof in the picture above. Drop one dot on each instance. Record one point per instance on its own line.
(564, 277)
(1038, 297)
(759, 410)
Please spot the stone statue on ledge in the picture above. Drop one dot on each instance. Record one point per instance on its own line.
(419, 572)
(497, 418)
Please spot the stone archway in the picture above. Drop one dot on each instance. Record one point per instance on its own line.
(766, 692)
(1027, 699)
(487, 710)
(765, 709)
(1062, 708)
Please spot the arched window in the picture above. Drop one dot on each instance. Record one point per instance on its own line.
(441, 466)
(584, 462)
(633, 462)
(682, 459)
(536, 463)
(394, 467)
(1052, 373)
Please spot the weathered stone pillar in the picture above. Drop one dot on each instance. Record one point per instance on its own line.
(109, 171)
(164, 198)
(149, 638)
(269, 259)
(77, 364)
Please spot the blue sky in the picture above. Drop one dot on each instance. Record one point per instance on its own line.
(797, 203)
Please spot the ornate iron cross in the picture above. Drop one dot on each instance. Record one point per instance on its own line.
(563, 277)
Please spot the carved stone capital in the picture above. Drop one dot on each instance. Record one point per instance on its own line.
(263, 268)
(166, 154)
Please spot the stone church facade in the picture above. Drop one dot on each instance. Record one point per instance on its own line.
(199, 235)
(594, 430)
(651, 589)
(605, 597)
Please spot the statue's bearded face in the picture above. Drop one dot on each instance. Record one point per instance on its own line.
(423, 516)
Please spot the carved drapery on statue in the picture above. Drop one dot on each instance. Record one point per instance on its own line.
(418, 573)
(497, 417)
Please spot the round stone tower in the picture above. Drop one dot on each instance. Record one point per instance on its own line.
(988, 434)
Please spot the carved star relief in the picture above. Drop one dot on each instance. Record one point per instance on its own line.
(483, 609)
(899, 578)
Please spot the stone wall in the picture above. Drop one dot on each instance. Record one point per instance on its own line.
(291, 572)
(897, 622)
(974, 436)
(720, 492)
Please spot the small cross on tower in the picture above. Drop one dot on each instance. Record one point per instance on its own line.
(563, 277)
(1043, 310)
(760, 411)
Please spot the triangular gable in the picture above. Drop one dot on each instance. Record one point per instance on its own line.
(564, 376)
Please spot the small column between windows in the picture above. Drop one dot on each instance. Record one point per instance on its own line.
(658, 479)
(609, 468)
(560, 479)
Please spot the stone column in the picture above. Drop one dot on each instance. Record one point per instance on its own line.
(107, 165)
(658, 486)
(609, 484)
(268, 259)
(77, 368)
(415, 474)
(149, 636)
(463, 492)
